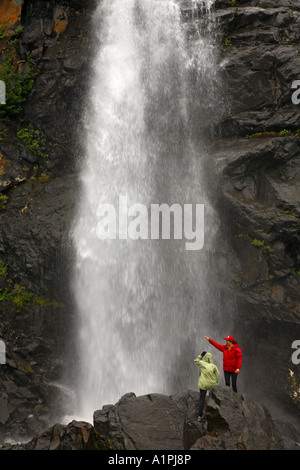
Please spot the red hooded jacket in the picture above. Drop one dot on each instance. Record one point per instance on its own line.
(232, 358)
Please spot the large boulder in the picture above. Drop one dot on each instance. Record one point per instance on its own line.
(157, 422)
(151, 421)
(235, 422)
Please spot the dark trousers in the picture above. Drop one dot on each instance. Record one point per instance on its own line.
(233, 377)
(202, 401)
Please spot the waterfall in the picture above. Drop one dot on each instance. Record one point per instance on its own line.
(144, 302)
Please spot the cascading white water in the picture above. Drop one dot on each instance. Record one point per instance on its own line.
(142, 304)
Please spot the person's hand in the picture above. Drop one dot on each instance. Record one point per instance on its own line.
(206, 337)
(237, 371)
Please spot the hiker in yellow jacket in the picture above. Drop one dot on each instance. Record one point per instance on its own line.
(208, 378)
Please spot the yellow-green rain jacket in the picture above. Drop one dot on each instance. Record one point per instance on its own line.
(209, 373)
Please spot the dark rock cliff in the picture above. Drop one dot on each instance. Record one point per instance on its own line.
(39, 147)
(257, 157)
(254, 152)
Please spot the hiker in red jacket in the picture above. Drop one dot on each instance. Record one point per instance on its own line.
(232, 359)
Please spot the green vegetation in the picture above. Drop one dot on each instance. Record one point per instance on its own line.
(256, 242)
(2, 32)
(18, 82)
(288, 212)
(228, 43)
(262, 134)
(283, 133)
(14, 34)
(18, 294)
(43, 178)
(268, 248)
(18, 31)
(243, 235)
(3, 201)
(20, 298)
(32, 140)
(3, 135)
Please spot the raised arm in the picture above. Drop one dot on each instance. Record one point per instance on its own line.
(216, 345)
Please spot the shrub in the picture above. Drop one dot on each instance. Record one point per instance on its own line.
(32, 140)
(3, 201)
(17, 84)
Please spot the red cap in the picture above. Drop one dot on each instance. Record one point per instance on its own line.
(230, 338)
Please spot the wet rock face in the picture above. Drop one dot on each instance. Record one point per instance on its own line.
(38, 189)
(260, 64)
(57, 38)
(257, 158)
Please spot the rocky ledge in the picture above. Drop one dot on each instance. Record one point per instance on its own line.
(160, 422)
